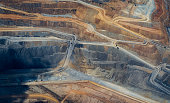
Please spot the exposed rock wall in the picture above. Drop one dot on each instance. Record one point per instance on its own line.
(86, 14)
(87, 56)
(113, 65)
(20, 55)
(161, 14)
(75, 28)
(148, 52)
(47, 8)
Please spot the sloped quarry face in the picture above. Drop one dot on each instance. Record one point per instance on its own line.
(93, 56)
(31, 54)
(112, 64)
(116, 66)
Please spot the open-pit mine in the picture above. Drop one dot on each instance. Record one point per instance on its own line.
(84, 51)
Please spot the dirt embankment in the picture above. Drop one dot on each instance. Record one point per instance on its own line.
(65, 26)
(152, 33)
(161, 15)
(52, 8)
(87, 14)
(83, 17)
(91, 16)
(147, 52)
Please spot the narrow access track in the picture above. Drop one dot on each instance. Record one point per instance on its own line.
(115, 22)
(31, 96)
(153, 82)
(89, 27)
(72, 43)
(130, 95)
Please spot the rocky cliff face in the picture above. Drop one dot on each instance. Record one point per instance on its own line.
(116, 66)
(90, 56)
(41, 54)
(90, 19)
(120, 42)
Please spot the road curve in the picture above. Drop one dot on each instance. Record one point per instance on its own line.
(74, 40)
(154, 83)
